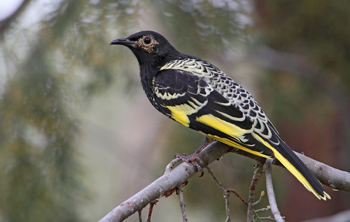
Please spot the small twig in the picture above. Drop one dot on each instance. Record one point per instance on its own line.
(179, 192)
(171, 165)
(150, 210)
(330, 176)
(238, 195)
(140, 215)
(224, 191)
(255, 212)
(251, 198)
(215, 179)
(270, 192)
(267, 218)
(341, 216)
(262, 210)
(260, 198)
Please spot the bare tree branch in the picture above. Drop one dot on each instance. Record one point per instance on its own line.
(179, 192)
(330, 176)
(251, 199)
(270, 191)
(168, 181)
(237, 195)
(224, 191)
(150, 211)
(339, 217)
(140, 215)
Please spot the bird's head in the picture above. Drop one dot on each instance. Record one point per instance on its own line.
(149, 47)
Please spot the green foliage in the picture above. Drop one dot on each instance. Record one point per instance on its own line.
(38, 169)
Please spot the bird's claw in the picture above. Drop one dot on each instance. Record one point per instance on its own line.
(192, 159)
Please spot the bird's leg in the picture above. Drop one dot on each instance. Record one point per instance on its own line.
(192, 158)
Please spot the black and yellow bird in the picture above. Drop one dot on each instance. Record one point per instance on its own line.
(200, 96)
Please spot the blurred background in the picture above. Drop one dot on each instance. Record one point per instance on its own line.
(78, 135)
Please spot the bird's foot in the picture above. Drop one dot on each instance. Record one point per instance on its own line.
(192, 159)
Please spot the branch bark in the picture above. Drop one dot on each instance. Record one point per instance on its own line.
(251, 198)
(168, 181)
(330, 176)
(271, 193)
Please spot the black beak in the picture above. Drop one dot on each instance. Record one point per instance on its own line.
(122, 41)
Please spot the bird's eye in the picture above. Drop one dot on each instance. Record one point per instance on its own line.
(147, 40)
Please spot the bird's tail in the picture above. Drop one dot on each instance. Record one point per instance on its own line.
(292, 163)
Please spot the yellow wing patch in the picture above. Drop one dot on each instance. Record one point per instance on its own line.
(221, 125)
(292, 169)
(239, 146)
(230, 130)
(181, 112)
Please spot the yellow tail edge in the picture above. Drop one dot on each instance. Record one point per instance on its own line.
(294, 171)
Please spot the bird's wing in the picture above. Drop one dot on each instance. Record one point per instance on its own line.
(215, 105)
(192, 101)
(230, 95)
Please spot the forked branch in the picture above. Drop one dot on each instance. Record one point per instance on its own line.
(330, 176)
